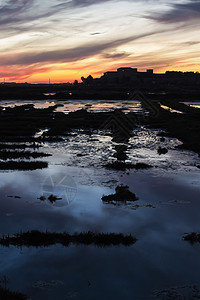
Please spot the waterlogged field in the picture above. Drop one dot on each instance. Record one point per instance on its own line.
(67, 106)
(160, 265)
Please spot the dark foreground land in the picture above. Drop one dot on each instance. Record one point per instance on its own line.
(117, 85)
(6, 294)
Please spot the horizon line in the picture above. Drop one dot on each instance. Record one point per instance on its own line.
(49, 81)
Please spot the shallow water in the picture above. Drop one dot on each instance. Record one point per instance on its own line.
(74, 105)
(159, 258)
(195, 104)
(168, 206)
(171, 110)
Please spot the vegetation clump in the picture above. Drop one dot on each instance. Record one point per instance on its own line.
(51, 198)
(4, 155)
(120, 165)
(192, 237)
(18, 146)
(23, 165)
(6, 294)
(162, 150)
(122, 194)
(36, 238)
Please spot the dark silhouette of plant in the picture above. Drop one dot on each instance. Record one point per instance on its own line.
(122, 194)
(36, 238)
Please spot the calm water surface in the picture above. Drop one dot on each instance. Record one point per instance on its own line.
(168, 206)
(74, 105)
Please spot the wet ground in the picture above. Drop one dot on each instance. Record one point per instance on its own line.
(74, 105)
(168, 207)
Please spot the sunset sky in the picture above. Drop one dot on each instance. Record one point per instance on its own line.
(64, 40)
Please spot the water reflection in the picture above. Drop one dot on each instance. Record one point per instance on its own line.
(159, 253)
(74, 105)
(96, 149)
(76, 174)
(193, 104)
(171, 110)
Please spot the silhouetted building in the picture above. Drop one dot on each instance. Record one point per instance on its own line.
(127, 77)
(150, 71)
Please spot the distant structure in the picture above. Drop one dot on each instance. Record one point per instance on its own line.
(125, 75)
(131, 78)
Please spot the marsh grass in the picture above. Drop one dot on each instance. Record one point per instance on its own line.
(18, 146)
(192, 237)
(23, 165)
(4, 155)
(36, 238)
(6, 294)
(119, 165)
(122, 194)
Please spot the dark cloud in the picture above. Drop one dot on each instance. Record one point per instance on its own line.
(8, 74)
(18, 73)
(95, 33)
(13, 10)
(93, 2)
(191, 43)
(21, 12)
(83, 3)
(76, 3)
(88, 2)
(15, 6)
(66, 55)
(116, 55)
(180, 13)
